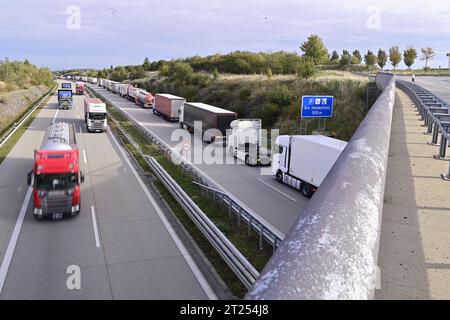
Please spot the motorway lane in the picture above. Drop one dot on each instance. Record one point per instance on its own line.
(278, 204)
(134, 256)
(440, 86)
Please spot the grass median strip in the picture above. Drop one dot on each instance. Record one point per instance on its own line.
(7, 147)
(246, 244)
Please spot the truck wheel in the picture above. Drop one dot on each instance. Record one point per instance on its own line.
(279, 176)
(247, 160)
(306, 189)
(181, 125)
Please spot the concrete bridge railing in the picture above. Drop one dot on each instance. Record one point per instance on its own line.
(331, 251)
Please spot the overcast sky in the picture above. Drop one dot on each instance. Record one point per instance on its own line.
(115, 32)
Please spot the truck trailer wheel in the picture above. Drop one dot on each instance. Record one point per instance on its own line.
(306, 190)
(279, 176)
(181, 125)
(247, 160)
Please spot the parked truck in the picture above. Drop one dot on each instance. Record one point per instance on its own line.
(79, 88)
(56, 175)
(244, 142)
(303, 162)
(168, 106)
(211, 122)
(123, 89)
(132, 93)
(115, 87)
(65, 98)
(95, 115)
(144, 99)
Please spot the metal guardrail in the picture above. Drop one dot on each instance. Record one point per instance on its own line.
(24, 118)
(271, 235)
(243, 215)
(231, 255)
(331, 252)
(435, 113)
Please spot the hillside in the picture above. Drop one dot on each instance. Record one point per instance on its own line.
(277, 100)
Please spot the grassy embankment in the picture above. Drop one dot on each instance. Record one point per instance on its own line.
(247, 245)
(276, 100)
(7, 147)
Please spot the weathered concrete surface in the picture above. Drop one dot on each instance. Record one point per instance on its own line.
(415, 236)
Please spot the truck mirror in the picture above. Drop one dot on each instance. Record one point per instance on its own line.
(82, 177)
(29, 178)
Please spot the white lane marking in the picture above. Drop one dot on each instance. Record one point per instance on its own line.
(192, 265)
(94, 223)
(81, 130)
(280, 192)
(84, 156)
(56, 114)
(14, 237)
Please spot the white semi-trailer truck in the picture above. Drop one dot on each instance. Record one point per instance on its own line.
(303, 162)
(244, 142)
(95, 114)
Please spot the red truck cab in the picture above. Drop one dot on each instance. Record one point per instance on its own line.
(79, 87)
(56, 176)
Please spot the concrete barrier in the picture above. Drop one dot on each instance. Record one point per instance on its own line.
(331, 251)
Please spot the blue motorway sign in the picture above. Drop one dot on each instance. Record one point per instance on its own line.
(317, 106)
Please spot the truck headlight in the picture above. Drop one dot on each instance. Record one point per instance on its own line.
(75, 208)
(37, 212)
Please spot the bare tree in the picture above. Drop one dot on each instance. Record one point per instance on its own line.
(427, 55)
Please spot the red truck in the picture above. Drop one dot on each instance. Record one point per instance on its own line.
(168, 106)
(56, 176)
(79, 87)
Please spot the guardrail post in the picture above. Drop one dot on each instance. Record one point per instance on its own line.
(230, 207)
(239, 218)
(249, 229)
(443, 148)
(430, 127)
(261, 238)
(434, 139)
(446, 177)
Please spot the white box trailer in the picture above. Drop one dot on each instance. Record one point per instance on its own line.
(115, 87)
(123, 89)
(303, 162)
(93, 80)
(244, 142)
(168, 106)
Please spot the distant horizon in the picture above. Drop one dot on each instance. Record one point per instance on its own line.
(98, 33)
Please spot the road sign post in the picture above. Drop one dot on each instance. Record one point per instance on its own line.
(316, 107)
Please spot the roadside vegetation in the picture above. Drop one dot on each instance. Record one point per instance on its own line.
(15, 75)
(7, 147)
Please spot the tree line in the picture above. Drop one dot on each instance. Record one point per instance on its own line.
(16, 75)
(314, 55)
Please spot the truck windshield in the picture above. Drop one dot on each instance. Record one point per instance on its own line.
(97, 116)
(56, 181)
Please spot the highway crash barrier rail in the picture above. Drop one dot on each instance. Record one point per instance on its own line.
(435, 113)
(24, 118)
(331, 252)
(271, 235)
(231, 255)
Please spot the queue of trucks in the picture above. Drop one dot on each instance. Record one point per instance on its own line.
(301, 162)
